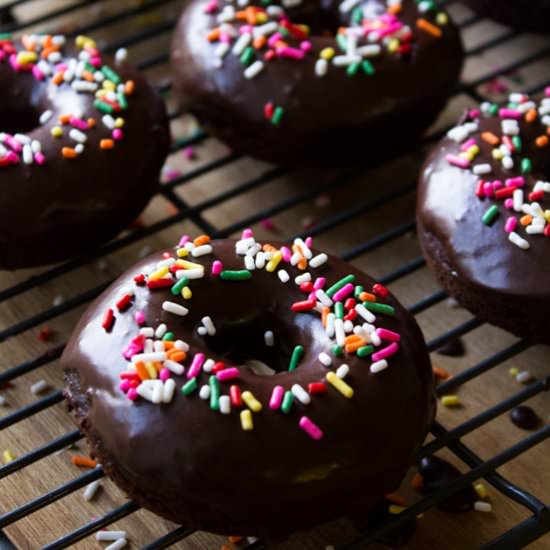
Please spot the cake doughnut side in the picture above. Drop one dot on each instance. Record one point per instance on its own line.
(315, 78)
(288, 387)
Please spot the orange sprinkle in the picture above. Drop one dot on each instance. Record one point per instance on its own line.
(526, 220)
(157, 365)
(394, 9)
(542, 141)
(201, 239)
(58, 78)
(440, 373)
(428, 27)
(176, 355)
(234, 539)
(64, 119)
(168, 345)
(142, 371)
(269, 248)
(367, 297)
(417, 482)
(87, 75)
(91, 122)
(490, 138)
(531, 115)
(250, 15)
(396, 498)
(106, 144)
(259, 42)
(354, 346)
(280, 44)
(129, 87)
(302, 264)
(324, 314)
(352, 338)
(213, 35)
(47, 41)
(69, 153)
(83, 461)
(29, 44)
(47, 51)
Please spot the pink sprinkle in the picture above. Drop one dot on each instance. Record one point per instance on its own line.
(509, 113)
(547, 91)
(276, 397)
(343, 292)
(458, 161)
(184, 240)
(391, 29)
(467, 144)
(37, 73)
(118, 134)
(11, 157)
(389, 335)
(247, 233)
(95, 61)
(124, 385)
(15, 145)
(189, 153)
(224, 37)
(290, 53)
(246, 29)
(39, 158)
(287, 254)
(509, 203)
(274, 39)
(518, 181)
(211, 7)
(385, 352)
(217, 267)
(488, 189)
(511, 224)
(497, 184)
(228, 374)
(474, 113)
(309, 242)
(78, 123)
(14, 65)
(305, 46)
(61, 67)
(164, 374)
(319, 283)
(310, 428)
(139, 318)
(132, 394)
(267, 223)
(196, 365)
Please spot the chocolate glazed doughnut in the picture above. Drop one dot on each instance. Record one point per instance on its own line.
(287, 388)
(83, 138)
(483, 214)
(367, 75)
(527, 15)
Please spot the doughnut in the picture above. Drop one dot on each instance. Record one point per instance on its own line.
(310, 78)
(483, 214)
(527, 15)
(83, 140)
(248, 388)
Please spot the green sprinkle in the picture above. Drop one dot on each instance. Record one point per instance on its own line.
(89, 67)
(526, 166)
(338, 285)
(357, 291)
(368, 67)
(342, 42)
(214, 393)
(353, 68)
(379, 308)
(176, 289)
(287, 402)
(357, 16)
(295, 358)
(240, 275)
(110, 74)
(493, 109)
(338, 350)
(339, 310)
(122, 101)
(516, 140)
(247, 56)
(169, 336)
(364, 351)
(283, 31)
(277, 116)
(103, 107)
(490, 215)
(190, 387)
(6, 36)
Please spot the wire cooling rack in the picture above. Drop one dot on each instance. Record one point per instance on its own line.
(365, 214)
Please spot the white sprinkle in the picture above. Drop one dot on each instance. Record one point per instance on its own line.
(242, 43)
(149, 347)
(481, 506)
(108, 121)
(110, 535)
(269, 338)
(518, 199)
(365, 313)
(36, 146)
(300, 394)
(374, 338)
(39, 387)
(342, 371)
(303, 278)
(345, 60)
(222, 50)
(79, 148)
(91, 490)
(325, 359)
(323, 297)
(208, 365)
(254, 70)
(27, 154)
(180, 344)
(253, 250)
(158, 392)
(348, 326)
(174, 367)
(510, 127)
(225, 404)
(370, 50)
(260, 260)
(176, 309)
(161, 330)
(145, 357)
(148, 332)
(22, 139)
(54, 57)
(329, 329)
(2, 400)
(121, 55)
(524, 377)
(379, 366)
(201, 250)
(209, 325)
(158, 345)
(249, 263)
(117, 545)
(319, 260)
(168, 390)
(347, 5)
(204, 392)
(480, 169)
(202, 331)
(45, 116)
(518, 241)
(295, 258)
(283, 275)
(145, 391)
(195, 273)
(340, 332)
(242, 246)
(321, 67)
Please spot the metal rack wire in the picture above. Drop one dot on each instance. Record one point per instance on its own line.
(537, 524)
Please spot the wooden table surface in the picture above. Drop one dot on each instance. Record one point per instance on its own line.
(436, 529)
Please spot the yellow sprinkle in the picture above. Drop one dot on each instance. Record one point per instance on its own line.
(159, 274)
(395, 509)
(274, 262)
(450, 400)
(480, 490)
(109, 85)
(56, 131)
(497, 154)
(151, 371)
(100, 94)
(473, 150)
(182, 252)
(8, 456)
(393, 45)
(251, 401)
(261, 18)
(547, 215)
(514, 371)
(186, 293)
(23, 58)
(340, 385)
(188, 265)
(119, 123)
(441, 18)
(327, 53)
(83, 41)
(247, 423)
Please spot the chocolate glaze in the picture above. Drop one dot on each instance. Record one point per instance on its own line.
(476, 263)
(56, 211)
(372, 114)
(198, 467)
(527, 15)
